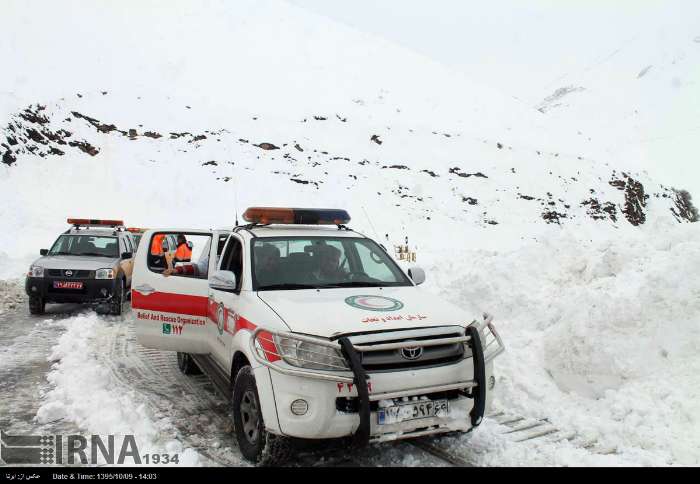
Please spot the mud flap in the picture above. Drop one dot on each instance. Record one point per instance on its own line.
(362, 435)
(478, 392)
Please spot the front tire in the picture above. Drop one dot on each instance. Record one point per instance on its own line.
(116, 304)
(37, 305)
(186, 364)
(256, 444)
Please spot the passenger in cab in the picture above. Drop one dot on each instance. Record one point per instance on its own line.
(199, 269)
(267, 265)
(183, 252)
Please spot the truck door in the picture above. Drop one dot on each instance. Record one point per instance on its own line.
(225, 305)
(170, 311)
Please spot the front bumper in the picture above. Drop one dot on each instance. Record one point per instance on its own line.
(94, 290)
(346, 403)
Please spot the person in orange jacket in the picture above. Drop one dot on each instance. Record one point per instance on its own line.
(156, 255)
(183, 252)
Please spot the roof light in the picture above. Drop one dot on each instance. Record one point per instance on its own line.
(136, 230)
(98, 222)
(303, 216)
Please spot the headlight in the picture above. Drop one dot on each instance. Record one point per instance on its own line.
(36, 271)
(104, 274)
(310, 355)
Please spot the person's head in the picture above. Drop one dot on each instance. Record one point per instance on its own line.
(268, 257)
(329, 258)
(181, 239)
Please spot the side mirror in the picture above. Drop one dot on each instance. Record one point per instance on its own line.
(126, 255)
(417, 274)
(44, 251)
(223, 281)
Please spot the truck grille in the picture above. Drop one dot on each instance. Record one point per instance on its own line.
(75, 273)
(400, 359)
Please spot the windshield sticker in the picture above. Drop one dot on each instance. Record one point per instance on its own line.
(374, 303)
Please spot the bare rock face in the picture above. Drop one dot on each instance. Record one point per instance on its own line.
(267, 146)
(635, 198)
(684, 208)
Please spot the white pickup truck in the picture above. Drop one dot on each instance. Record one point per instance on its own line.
(315, 332)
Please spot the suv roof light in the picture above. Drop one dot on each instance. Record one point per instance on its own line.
(95, 222)
(136, 230)
(302, 216)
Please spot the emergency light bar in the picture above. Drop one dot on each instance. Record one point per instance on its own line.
(95, 222)
(305, 216)
(136, 230)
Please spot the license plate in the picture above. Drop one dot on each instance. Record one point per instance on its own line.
(412, 411)
(67, 285)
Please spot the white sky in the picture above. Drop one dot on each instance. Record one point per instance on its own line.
(527, 49)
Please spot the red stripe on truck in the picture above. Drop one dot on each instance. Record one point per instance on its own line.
(170, 303)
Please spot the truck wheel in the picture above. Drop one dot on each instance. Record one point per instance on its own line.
(256, 444)
(36, 305)
(187, 365)
(117, 301)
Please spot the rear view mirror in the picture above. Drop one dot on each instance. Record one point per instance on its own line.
(44, 251)
(223, 281)
(126, 255)
(417, 274)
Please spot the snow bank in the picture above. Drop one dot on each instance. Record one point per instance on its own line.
(603, 339)
(86, 393)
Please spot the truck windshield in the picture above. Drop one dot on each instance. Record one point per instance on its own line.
(283, 263)
(86, 245)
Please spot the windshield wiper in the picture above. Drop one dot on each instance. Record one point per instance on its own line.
(60, 253)
(272, 287)
(95, 254)
(356, 284)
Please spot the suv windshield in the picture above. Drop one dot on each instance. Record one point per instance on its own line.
(322, 262)
(88, 245)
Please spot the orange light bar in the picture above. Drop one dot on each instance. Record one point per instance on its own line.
(88, 221)
(305, 216)
(269, 215)
(136, 230)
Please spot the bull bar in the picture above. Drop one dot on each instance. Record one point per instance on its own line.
(263, 346)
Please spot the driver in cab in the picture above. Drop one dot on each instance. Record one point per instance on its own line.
(329, 270)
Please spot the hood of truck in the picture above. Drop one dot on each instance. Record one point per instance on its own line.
(90, 263)
(334, 312)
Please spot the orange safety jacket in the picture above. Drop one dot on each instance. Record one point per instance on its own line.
(157, 245)
(183, 253)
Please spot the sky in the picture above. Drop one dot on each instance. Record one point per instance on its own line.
(528, 49)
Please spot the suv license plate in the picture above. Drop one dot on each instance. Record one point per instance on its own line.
(67, 284)
(412, 411)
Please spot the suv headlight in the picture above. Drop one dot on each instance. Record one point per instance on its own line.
(36, 271)
(309, 355)
(104, 274)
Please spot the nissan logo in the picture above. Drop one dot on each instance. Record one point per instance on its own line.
(68, 273)
(412, 352)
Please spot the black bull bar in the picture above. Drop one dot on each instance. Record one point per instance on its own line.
(265, 346)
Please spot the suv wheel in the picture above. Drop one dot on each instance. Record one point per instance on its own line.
(117, 301)
(36, 305)
(187, 365)
(255, 443)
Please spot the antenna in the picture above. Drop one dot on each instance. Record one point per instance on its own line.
(370, 223)
(235, 187)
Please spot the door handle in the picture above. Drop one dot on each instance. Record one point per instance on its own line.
(145, 289)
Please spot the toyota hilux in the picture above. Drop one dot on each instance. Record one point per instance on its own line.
(315, 332)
